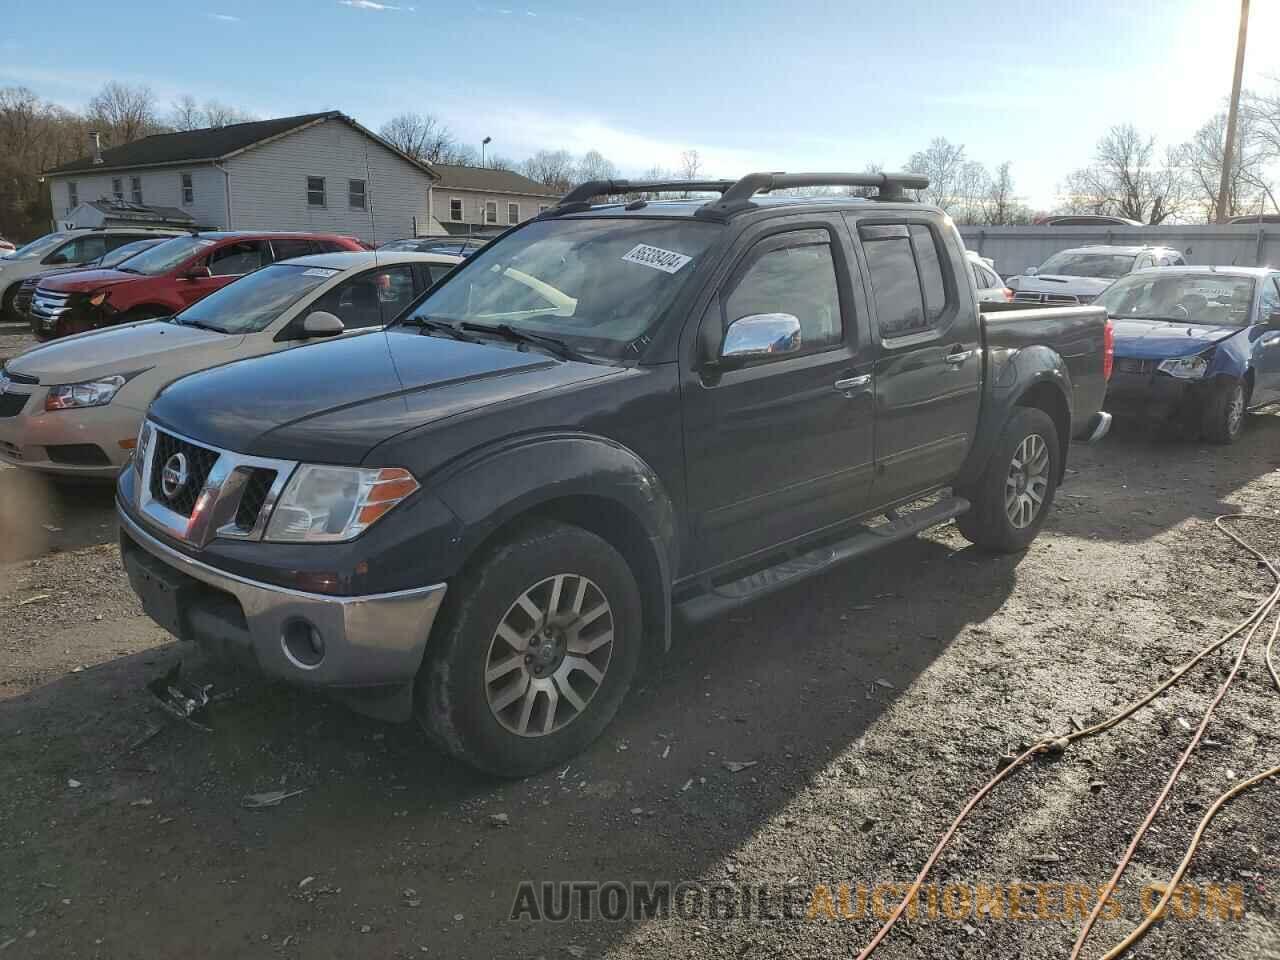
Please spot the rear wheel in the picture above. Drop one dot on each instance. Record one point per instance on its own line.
(1013, 496)
(7, 312)
(539, 646)
(1224, 414)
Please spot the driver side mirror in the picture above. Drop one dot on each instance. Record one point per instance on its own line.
(322, 323)
(760, 335)
(198, 273)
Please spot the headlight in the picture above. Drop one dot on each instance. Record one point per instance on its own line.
(93, 393)
(327, 504)
(1184, 368)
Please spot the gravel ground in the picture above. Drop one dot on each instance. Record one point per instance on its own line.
(871, 701)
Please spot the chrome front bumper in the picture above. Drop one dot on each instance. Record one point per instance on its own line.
(368, 641)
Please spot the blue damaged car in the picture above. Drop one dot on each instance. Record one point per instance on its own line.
(1195, 346)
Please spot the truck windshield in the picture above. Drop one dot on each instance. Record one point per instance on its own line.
(252, 303)
(596, 284)
(1106, 265)
(163, 257)
(1211, 299)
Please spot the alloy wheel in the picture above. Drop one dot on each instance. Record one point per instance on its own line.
(1027, 481)
(549, 655)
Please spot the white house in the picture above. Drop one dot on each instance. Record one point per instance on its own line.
(320, 171)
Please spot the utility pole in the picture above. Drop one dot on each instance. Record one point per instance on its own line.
(1229, 148)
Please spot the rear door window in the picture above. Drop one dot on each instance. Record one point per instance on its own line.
(79, 250)
(288, 249)
(241, 257)
(908, 278)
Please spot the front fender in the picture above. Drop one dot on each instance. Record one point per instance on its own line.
(585, 478)
(1231, 357)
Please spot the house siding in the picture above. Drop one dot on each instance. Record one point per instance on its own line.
(161, 186)
(269, 185)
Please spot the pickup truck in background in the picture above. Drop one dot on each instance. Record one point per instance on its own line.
(614, 417)
(1080, 274)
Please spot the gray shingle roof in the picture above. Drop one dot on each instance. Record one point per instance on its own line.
(210, 143)
(483, 178)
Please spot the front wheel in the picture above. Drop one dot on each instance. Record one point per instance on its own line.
(1012, 497)
(1224, 413)
(539, 645)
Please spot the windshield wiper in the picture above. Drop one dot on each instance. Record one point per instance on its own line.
(438, 326)
(137, 273)
(551, 344)
(199, 325)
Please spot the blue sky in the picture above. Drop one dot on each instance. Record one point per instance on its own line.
(750, 85)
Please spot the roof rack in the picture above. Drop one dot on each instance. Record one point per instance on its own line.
(735, 195)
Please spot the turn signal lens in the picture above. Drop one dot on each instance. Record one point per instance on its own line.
(327, 504)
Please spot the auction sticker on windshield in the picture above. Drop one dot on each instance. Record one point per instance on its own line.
(668, 261)
(319, 272)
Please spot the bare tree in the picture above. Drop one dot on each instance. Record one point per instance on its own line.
(867, 191)
(125, 113)
(973, 184)
(690, 165)
(421, 136)
(1202, 158)
(595, 166)
(1129, 178)
(500, 162)
(943, 163)
(217, 114)
(551, 168)
(1000, 207)
(186, 114)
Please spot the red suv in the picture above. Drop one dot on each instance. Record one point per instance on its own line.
(166, 279)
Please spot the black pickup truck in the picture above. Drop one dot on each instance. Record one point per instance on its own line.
(616, 416)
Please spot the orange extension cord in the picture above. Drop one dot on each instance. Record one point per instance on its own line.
(1249, 627)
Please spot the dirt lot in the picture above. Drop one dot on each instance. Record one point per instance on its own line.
(872, 701)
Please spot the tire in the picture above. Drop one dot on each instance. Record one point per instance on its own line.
(1223, 419)
(7, 313)
(475, 665)
(993, 522)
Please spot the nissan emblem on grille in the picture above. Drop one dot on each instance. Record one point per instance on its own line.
(174, 477)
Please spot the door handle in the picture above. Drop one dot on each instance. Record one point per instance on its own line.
(853, 383)
(960, 356)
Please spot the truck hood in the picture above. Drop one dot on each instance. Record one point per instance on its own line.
(123, 349)
(1165, 340)
(82, 281)
(334, 402)
(1060, 283)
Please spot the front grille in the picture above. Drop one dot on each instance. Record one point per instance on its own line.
(11, 404)
(1032, 296)
(47, 306)
(199, 461)
(1129, 365)
(22, 299)
(253, 497)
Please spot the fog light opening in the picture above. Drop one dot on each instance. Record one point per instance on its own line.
(302, 643)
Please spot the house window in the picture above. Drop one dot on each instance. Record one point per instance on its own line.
(188, 189)
(491, 211)
(73, 195)
(135, 189)
(513, 213)
(356, 194)
(455, 209)
(315, 191)
(117, 189)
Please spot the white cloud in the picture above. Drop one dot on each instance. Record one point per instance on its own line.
(374, 5)
(224, 17)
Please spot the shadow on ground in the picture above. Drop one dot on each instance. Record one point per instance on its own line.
(157, 856)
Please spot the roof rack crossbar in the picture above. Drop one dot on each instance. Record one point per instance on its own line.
(890, 186)
(606, 188)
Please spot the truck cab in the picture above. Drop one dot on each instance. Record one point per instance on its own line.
(617, 416)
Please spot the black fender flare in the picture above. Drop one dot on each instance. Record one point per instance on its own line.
(1015, 376)
(580, 478)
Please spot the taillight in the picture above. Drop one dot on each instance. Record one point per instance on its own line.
(1108, 350)
(1008, 295)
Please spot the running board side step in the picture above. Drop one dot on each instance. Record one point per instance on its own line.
(723, 598)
